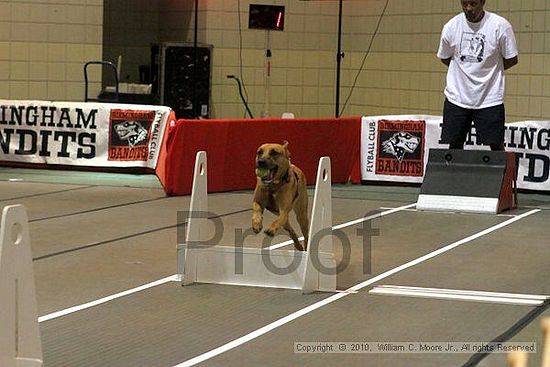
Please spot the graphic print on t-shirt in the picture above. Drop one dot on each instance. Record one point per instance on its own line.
(472, 47)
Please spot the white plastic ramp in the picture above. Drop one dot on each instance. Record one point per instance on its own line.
(20, 344)
(309, 271)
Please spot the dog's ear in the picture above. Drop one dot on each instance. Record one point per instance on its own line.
(285, 146)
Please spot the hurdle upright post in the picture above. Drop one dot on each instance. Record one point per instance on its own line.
(197, 222)
(321, 221)
(517, 359)
(20, 344)
(546, 342)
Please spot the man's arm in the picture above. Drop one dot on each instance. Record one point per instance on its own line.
(508, 63)
(446, 61)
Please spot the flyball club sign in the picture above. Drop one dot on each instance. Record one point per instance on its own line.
(400, 148)
(395, 148)
(86, 134)
(129, 133)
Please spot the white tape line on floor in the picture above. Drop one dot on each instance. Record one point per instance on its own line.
(461, 295)
(100, 301)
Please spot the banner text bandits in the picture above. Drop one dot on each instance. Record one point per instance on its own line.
(50, 119)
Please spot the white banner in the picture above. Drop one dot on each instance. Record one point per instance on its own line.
(81, 134)
(395, 148)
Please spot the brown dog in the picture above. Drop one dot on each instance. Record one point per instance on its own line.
(280, 188)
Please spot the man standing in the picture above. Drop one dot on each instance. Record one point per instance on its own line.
(477, 46)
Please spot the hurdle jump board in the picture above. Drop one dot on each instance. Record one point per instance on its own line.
(469, 181)
(20, 344)
(309, 271)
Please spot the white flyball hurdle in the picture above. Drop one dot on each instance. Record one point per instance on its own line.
(309, 271)
(520, 358)
(20, 344)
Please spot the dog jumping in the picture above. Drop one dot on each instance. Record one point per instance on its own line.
(280, 188)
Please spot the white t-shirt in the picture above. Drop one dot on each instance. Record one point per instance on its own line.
(475, 78)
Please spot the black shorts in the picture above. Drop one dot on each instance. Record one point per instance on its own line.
(457, 122)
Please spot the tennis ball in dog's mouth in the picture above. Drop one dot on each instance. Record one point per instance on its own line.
(262, 172)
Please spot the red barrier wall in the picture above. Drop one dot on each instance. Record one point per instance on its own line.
(231, 148)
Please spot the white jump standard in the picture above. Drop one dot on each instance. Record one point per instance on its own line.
(310, 271)
(20, 344)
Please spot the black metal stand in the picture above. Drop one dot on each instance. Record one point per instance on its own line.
(339, 57)
(195, 61)
(113, 97)
(241, 94)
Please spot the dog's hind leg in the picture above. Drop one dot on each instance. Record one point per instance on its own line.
(294, 236)
(303, 221)
(300, 210)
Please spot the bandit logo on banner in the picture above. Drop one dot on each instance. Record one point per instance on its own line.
(400, 148)
(129, 132)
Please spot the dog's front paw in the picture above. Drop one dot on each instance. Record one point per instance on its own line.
(270, 232)
(257, 227)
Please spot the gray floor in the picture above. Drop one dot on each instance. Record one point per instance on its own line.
(98, 234)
